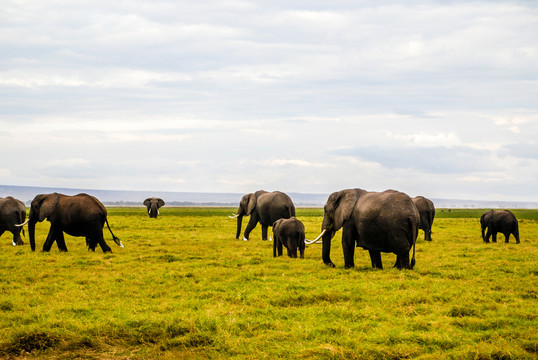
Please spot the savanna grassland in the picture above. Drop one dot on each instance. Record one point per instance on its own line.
(184, 287)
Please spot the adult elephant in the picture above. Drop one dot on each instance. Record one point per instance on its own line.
(153, 204)
(503, 221)
(376, 221)
(265, 208)
(78, 215)
(12, 212)
(426, 210)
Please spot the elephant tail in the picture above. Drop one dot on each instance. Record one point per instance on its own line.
(114, 237)
(413, 233)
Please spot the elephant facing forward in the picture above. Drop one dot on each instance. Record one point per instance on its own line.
(78, 215)
(290, 234)
(503, 221)
(426, 210)
(376, 221)
(12, 213)
(153, 204)
(265, 208)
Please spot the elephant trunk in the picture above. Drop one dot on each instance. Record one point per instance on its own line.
(31, 234)
(153, 211)
(239, 222)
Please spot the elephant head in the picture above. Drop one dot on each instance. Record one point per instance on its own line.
(153, 204)
(42, 208)
(484, 220)
(246, 207)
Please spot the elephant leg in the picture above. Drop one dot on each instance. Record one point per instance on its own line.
(60, 241)
(91, 243)
(49, 241)
(375, 257)
(402, 261)
(104, 245)
(494, 237)
(264, 232)
(506, 237)
(17, 240)
(96, 237)
(54, 232)
(428, 234)
(275, 244)
(348, 246)
(250, 226)
(279, 248)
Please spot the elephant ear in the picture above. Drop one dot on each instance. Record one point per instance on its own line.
(147, 202)
(251, 204)
(340, 205)
(48, 204)
(160, 202)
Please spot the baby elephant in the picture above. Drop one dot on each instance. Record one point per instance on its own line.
(290, 234)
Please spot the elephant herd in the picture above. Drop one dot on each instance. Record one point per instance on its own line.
(379, 222)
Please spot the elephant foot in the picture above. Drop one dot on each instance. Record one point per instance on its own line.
(330, 264)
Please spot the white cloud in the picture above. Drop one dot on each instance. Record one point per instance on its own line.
(425, 139)
(229, 95)
(294, 162)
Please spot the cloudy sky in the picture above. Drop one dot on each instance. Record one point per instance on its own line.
(434, 98)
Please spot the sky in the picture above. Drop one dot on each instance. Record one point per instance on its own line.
(433, 98)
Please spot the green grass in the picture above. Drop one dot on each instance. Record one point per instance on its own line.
(184, 287)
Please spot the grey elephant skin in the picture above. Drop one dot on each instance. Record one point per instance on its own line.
(376, 221)
(426, 210)
(153, 204)
(499, 221)
(78, 215)
(265, 208)
(289, 233)
(12, 213)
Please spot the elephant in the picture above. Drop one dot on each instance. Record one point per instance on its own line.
(153, 204)
(78, 215)
(503, 221)
(426, 210)
(290, 234)
(12, 213)
(376, 221)
(263, 207)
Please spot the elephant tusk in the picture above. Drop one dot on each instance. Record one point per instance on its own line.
(158, 212)
(233, 216)
(14, 243)
(24, 223)
(309, 242)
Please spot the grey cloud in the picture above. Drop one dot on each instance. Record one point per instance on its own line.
(438, 160)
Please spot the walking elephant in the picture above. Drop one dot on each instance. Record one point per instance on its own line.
(376, 221)
(153, 204)
(290, 234)
(12, 212)
(265, 208)
(503, 221)
(78, 215)
(426, 210)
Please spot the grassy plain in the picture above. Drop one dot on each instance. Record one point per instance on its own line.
(183, 287)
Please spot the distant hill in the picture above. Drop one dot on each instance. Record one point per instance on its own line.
(135, 198)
